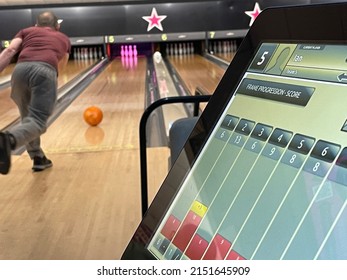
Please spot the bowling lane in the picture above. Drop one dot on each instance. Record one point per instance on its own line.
(119, 93)
(8, 109)
(86, 206)
(228, 57)
(5, 75)
(197, 71)
(74, 68)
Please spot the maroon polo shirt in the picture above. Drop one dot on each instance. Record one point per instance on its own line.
(43, 44)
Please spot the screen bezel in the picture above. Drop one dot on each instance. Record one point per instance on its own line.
(323, 23)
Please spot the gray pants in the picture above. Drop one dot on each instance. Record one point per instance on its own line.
(34, 90)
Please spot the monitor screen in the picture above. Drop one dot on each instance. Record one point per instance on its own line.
(270, 179)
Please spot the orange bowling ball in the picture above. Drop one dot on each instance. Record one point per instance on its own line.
(93, 115)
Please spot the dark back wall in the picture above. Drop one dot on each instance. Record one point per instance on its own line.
(115, 19)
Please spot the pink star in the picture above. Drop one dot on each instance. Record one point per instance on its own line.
(253, 14)
(154, 20)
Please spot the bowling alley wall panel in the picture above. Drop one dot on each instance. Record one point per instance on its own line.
(127, 18)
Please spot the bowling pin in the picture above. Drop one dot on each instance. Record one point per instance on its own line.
(229, 47)
(192, 48)
(130, 51)
(90, 53)
(180, 51)
(135, 51)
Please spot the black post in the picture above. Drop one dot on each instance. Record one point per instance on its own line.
(143, 138)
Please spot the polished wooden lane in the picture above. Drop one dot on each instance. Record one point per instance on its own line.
(88, 205)
(73, 69)
(197, 71)
(8, 109)
(5, 75)
(228, 57)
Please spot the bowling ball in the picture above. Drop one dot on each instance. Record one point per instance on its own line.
(93, 115)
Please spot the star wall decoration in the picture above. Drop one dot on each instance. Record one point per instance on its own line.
(154, 20)
(253, 14)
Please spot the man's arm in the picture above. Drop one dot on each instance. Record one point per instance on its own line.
(8, 53)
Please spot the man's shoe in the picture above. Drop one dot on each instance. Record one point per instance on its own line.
(5, 153)
(41, 163)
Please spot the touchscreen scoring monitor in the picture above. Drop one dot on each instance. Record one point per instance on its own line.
(270, 179)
